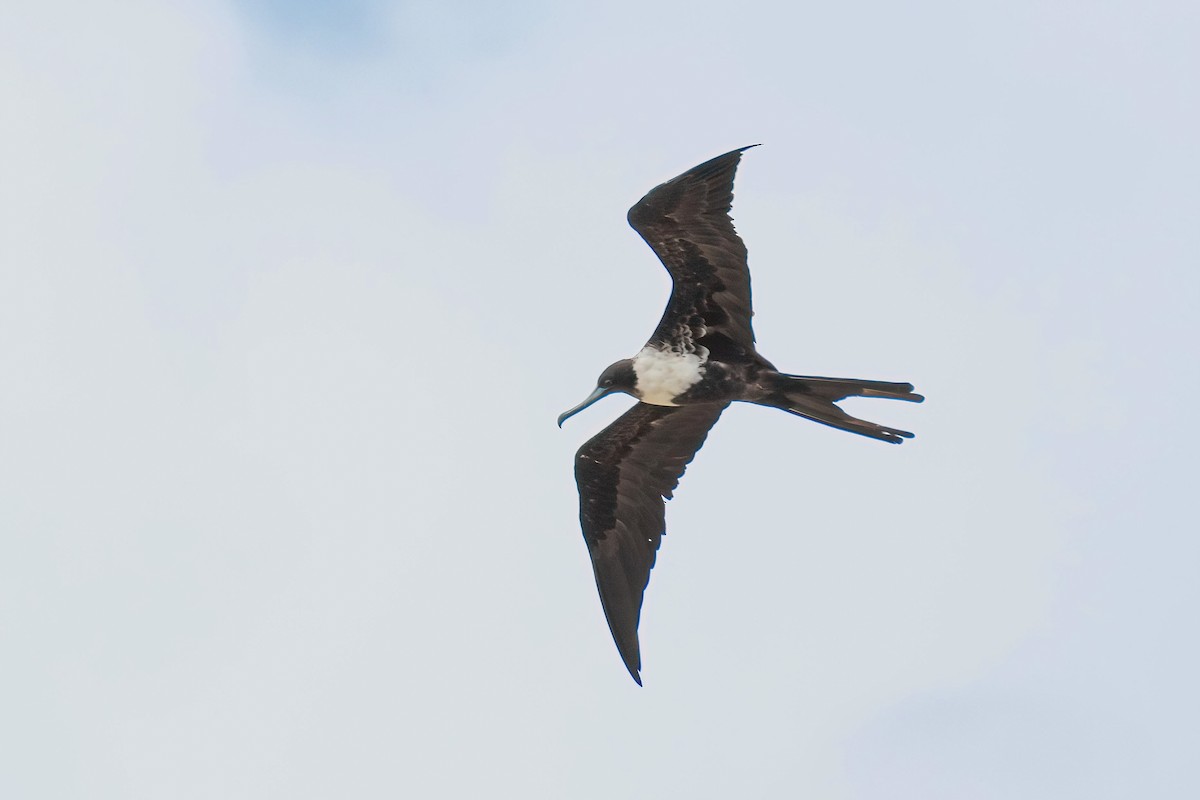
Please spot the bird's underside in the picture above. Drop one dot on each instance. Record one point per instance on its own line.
(700, 358)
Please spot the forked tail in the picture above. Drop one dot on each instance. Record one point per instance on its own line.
(813, 398)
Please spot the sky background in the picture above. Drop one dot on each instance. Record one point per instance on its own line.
(291, 294)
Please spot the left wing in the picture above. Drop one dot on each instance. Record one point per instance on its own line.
(686, 223)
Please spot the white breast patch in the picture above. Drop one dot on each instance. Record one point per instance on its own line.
(663, 375)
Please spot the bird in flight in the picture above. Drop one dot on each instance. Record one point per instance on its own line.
(699, 360)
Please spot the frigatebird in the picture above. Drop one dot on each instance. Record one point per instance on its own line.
(700, 359)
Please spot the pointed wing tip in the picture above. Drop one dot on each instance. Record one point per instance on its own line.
(631, 656)
(738, 152)
(633, 673)
(629, 648)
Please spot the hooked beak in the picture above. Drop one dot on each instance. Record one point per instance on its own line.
(591, 398)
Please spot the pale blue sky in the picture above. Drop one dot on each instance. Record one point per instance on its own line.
(290, 299)
(347, 26)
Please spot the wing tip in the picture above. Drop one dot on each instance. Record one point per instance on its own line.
(633, 673)
(732, 155)
(648, 210)
(631, 656)
(741, 150)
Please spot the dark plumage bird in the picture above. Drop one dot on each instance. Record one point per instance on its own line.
(699, 360)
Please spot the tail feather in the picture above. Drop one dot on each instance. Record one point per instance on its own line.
(813, 398)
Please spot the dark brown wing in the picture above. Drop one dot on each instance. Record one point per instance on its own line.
(624, 472)
(686, 222)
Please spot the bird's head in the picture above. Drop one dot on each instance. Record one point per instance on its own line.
(618, 377)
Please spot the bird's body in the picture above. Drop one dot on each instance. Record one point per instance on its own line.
(701, 357)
